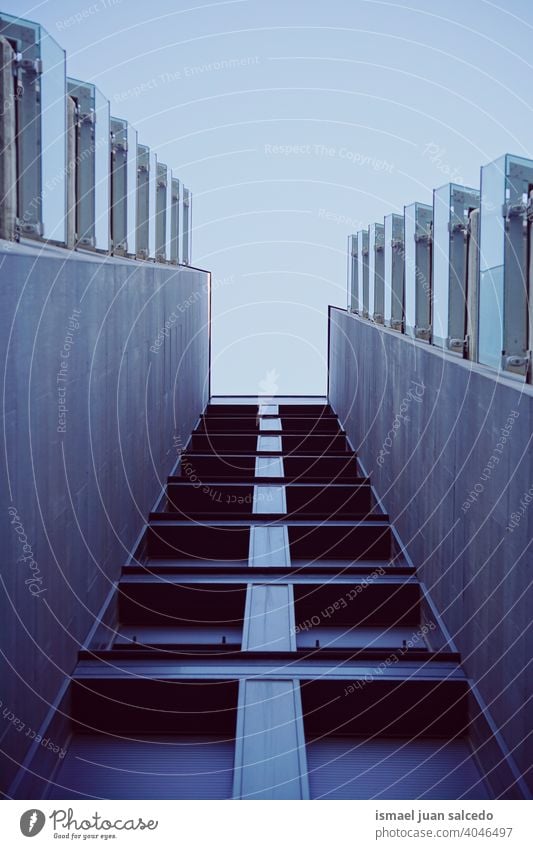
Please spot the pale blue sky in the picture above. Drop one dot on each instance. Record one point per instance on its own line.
(295, 123)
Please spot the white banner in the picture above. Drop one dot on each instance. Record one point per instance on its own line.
(267, 825)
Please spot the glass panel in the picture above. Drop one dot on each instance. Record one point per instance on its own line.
(410, 267)
(353, 301)
(131, 189)
(441, 263)
(152, 193)
(462, 201)
(168, 219)
(161, 211)
(143, 203)
(519, 181)
(362, 270)
(53, 139)
(102, 158)
(379, 292)
(395, 260)
(424, 221)
(119, 163)
(190, 225)
(175, 220)
(388, 269)
(371, 269)
(491, 259)
(186, 224)
(83, 96)
(360, 237)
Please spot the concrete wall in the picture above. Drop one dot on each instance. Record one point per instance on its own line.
(124, 346)
(449, 448)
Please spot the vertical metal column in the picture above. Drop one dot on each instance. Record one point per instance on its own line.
(270, 751)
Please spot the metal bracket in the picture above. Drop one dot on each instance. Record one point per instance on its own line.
(29, 66)
(514, 210)
(87, 242)
(423, 333)
(28, 229)
(458, 345)
(458, 227)
(397, 244)
(423, 238)
(516, 362)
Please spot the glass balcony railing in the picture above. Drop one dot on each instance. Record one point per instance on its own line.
(457, 274)
(76, 176)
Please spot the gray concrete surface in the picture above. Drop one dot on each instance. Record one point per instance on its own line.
(449, 448)
(105, 373)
